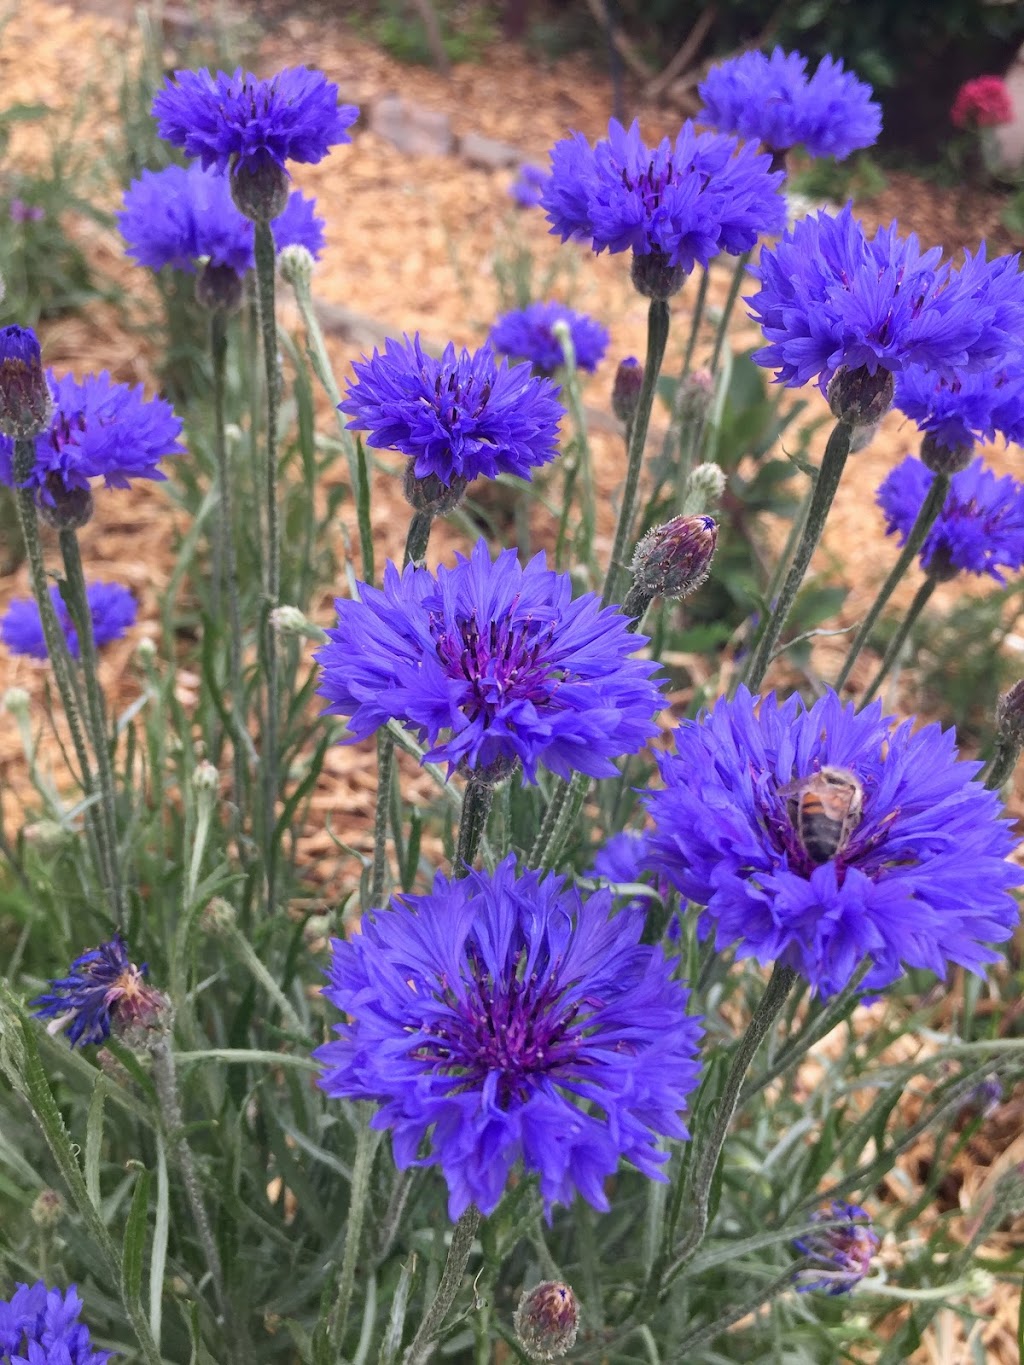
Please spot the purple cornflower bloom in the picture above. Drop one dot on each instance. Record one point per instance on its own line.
(506, 1018)
(103, 989)
(972, 407)
(830, 297)
(980, 528)
(183, 214)
(844, 1253)
(99, 429)
(20, 212)
(773, 100)
(528, 186)
(113, 610)
(461, 416)
(500, 659)
(248, 123)
(680, 202)
(527, 334)
(39, 1326)
(912, 871)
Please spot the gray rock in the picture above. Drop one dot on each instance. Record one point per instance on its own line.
(415, 131)
(487, 152)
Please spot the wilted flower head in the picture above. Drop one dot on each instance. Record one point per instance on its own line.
(980, 528)
(681, 202)
(506, 1018)
(461, 416)
(498, 658)
(528, 186)
(103, 990)
(830, 113)
(247, 123)
(971, 407)
(547, 1320)
(907, 869)
(98, 429)
(25, 403)
(112, 608)
(844, 1253)
(39, 1326)
(982, 103)
(527, 334)
(830, 297)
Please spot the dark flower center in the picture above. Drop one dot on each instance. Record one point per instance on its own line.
(457, 398)
(500, 662)
(650, 184)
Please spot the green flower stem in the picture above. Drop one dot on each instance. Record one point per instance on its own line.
(226, 557)
(95, 711)
(422, 1347)
(417, 538)
(691, 341)
(926, 518)
(367, 1142)
(657, 336)
(730, 303)
(826, 484)
(689, 1344)
(385, 777)
(583, 541)
(708, 1154)
(562, 815)
(1002, 763)
(897, 642)
(266, 263)
(476, 806)
(248, 955)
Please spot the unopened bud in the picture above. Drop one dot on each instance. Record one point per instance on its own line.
(48, 1208)
(25, 400)
(629, 380)
(219, 288)
(206, 778)
(296, 266)
(547, 1320)
(219, 917)
(17, 701)
(562, 333)
(654, 277)
(675, 559)
(704, 488)
(978, 1283)
(1009, 714)
(260, 194)
(145, 650)
(694, 395)
(63, 508)
(48, 836)
(859, 398)
(291, 621)
(316, 929)
(429, 494)
(941, 459)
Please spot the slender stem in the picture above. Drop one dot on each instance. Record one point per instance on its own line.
(703, 1172)
(95, 710)
(258, 970)
(730, 303)
(463, 1234)
(584, 539)
(566, 807)
(417, 538)
(766, 1294)
(697, 319)
(657, 336)
(226, 548)
(265, 267)
(897, 642)
(1002, 763)
(385, 777)
(367, 1141)
(825, 486)
(926, 518)
(476, 806)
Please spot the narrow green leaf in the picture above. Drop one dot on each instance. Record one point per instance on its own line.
(161, 1232)
(135, 1237)
(94, 1141)
(392, 1342)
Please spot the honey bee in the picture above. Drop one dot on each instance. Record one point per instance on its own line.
(824, 810)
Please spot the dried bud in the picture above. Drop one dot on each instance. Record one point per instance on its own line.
(675, 559)
(17, 701)
(296, 266)
(205, 779)
(63, 508)
(547, 1320)
(860, 398)
(629, 380)
(218, 918)
(429, 494)
(654, 277)
(942, 459)
(25, 400)
(48, 1208)
(704, 488)
(219, 288)
(260, 194)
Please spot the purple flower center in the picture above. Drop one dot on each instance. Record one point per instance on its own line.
(651, 184)
(793, 833)
(500, 662)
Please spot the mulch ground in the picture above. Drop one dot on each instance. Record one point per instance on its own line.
(412, 243)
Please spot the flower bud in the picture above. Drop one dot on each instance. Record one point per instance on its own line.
(859, 398)
(942, 459)
(675, 559)
(704, 488)
(843, 1252)
(547, 1320)
(562, 333)
(63, 508)
(629, 380)
(290, 621)
(48, 837)
(219, 288)
(1009, 715)
(206, 778)
(694, 395)
(296, 266)
(48, 1208)
(429, 494)
(260, 194)
(985, 1097)
(145, 650)
(17, 701)
(25, 400)
(654, 277)
(218, 918)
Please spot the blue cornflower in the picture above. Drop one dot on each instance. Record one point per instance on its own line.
(113, 610)
(682, 203)
(830, 297)
(911, 872)
(498, 658)
(103, 990)
(39, 1326)
(972, 407)
(844, 1252)
(527, 334)
(528, 186)
(773, 100)
(99, 429)
(248, 123)
(183, 214)
(506, 1018)
(461, 416)
(980, 528)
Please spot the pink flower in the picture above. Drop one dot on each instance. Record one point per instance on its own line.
(982, 103)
